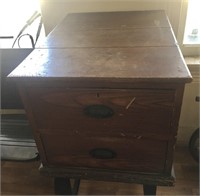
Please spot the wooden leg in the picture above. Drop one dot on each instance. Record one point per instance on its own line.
(149, 189)
(62, 186)
(76, 187)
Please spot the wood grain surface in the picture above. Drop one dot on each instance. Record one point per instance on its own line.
(132, 45)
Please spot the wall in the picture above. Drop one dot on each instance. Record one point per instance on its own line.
(189, 119)
(54, 11)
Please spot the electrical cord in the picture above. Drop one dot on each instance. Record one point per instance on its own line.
(35, 15)
(31, 38)
(38, 31)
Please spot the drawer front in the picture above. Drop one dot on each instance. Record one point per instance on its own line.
(103, 112)
(136, 154)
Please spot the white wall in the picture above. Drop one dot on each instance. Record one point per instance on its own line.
(189, 119)
(54, 11)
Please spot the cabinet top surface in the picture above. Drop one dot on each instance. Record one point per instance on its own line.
(136, 45)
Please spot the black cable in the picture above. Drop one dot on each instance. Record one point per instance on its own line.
(38, 31)
(31, 38)
(35, 15)
(6, 37)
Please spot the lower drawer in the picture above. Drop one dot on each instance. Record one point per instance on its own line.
(136, 154)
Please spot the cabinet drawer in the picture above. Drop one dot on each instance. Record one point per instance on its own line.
(136, 154)
(103, 111)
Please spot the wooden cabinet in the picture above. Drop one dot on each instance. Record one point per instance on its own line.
(122, 121)
(103, 94)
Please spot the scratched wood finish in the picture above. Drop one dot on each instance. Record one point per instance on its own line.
(125, 44)
(112, 30)
(131, 153)
(110, 38)
(132, 64)
(114, 20)
(152, 118)
(56, 108)
(127, 61)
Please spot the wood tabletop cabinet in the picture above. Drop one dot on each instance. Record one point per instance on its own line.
(103, 94)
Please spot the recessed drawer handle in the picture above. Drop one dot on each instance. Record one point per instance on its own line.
(98, 111)
(102, 153)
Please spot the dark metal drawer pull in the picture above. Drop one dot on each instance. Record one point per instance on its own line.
(102, 153)
(98, 111)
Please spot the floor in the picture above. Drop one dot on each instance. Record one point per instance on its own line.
(23, 178)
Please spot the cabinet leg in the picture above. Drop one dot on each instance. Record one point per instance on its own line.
(62, 186)
(76, 187)
(149, 189)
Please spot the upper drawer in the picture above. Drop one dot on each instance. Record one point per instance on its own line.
(105, 111)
